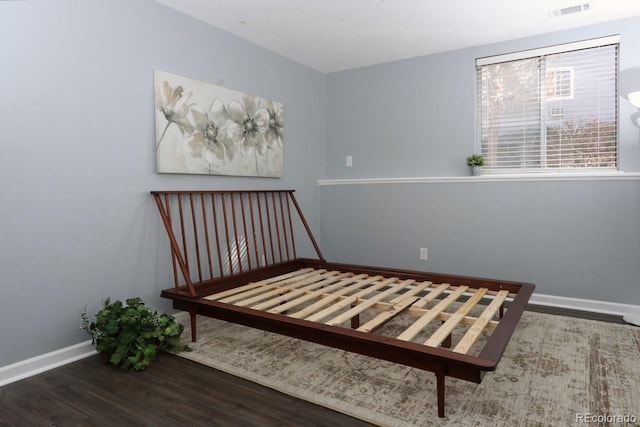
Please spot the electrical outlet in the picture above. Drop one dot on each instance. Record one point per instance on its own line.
(349, 161)
(424, 254)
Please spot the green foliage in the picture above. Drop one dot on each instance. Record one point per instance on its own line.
(475, 160)
(131, 334)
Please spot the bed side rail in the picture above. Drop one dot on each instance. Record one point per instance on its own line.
(215, 234)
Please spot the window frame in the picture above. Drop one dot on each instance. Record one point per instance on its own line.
(556, 96)
(545, 104)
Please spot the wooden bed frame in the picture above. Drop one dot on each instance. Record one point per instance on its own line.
(234, 258)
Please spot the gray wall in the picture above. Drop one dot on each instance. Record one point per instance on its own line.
(77, 134)
(415, 118)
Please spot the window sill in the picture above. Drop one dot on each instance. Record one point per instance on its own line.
(583, 176)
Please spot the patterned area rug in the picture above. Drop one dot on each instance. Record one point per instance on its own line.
(556, 371)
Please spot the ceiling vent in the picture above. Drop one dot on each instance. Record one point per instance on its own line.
(583, 7)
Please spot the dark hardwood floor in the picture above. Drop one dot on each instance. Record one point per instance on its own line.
(172, 392)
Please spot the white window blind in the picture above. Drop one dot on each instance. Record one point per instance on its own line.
(550, 109)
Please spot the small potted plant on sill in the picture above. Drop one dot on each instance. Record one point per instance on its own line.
(130, 335)
(475, 162)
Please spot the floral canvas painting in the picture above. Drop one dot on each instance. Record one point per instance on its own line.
(202, 128)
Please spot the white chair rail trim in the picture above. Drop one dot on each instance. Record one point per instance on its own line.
(537, 177)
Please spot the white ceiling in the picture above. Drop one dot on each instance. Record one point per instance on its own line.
(335, 35)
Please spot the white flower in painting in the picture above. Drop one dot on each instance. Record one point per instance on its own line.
(253, 120)
(210, 138)
(274, 132)
(175, 108)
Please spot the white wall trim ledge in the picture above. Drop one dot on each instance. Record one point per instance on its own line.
(36, 365)
(600, 176)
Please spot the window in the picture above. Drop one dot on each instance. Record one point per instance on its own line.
(559, 83)
(556, 111)
(549, 110)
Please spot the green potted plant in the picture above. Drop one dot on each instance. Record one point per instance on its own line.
(130, 335)
(475, 161)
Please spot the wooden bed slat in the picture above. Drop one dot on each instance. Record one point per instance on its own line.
(334, 296)
(417, 288)
(467, 320)
(394, 307)
(348, 300)
(474, 332)
(322, 294)
(443, 316)
(253, 285)
(265, 286)
(431, 295)
(342, 280)
(266, 291)
(308, 285)
(302, 286)
(443, 332)
(359, 308)
(419, 324)
(388, 314)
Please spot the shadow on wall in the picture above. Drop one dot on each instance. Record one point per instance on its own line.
(630, 82)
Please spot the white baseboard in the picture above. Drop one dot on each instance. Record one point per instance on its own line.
(45, 362)
(593, 306)
(42, 363)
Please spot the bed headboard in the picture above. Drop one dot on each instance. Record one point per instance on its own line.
(215, 234)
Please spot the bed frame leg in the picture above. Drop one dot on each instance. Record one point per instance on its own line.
(192, 315)
(446, 343)
(440, 389)
(355, 322)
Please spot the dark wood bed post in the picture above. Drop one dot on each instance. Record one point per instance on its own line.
(193, 311)
(175, 248)
(306, 227)
(440, 389)
(355, 321)
(447, 342)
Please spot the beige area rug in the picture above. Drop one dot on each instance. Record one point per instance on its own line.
(556, 371)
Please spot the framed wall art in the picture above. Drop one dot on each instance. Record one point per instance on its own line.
(206, 129)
